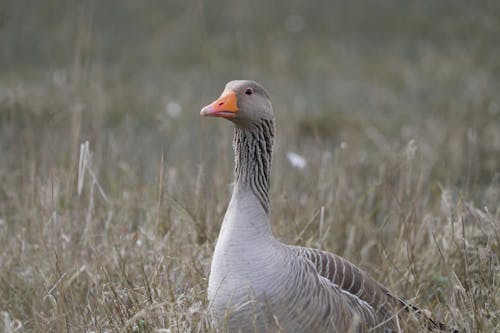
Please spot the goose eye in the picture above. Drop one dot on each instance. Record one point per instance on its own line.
(249, 91)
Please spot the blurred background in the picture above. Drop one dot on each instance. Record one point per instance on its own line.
(136, 71)
(388, 115)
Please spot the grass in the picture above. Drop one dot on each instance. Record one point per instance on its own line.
(401, 138)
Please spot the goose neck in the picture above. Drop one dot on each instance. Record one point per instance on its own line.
(253, 147)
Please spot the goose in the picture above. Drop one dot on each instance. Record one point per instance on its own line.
(257, 283)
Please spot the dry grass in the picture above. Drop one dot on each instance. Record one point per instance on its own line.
(402, 178)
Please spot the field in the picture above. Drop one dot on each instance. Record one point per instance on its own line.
(113, 188)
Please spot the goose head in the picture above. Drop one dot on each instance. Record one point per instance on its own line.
(243, 102)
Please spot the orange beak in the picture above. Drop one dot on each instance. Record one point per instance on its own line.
(226, 106)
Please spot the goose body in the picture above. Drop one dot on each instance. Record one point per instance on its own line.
(258, 284)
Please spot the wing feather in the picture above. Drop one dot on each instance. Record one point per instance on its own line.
(376, 300)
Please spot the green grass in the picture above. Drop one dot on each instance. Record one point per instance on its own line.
(398, 117)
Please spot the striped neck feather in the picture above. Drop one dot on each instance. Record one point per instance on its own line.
(253, 148)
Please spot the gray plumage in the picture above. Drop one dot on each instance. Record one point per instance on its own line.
(259, 284)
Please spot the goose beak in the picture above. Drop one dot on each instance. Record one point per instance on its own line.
(225, 106)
